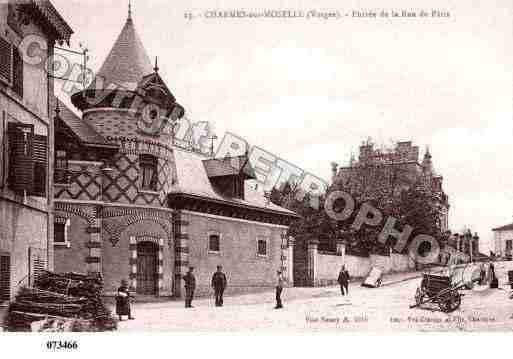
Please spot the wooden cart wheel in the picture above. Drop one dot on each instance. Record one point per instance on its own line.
(450, 304)
(419, 296)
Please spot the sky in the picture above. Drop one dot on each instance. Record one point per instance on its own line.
(310, 91)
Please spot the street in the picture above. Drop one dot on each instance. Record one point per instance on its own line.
(367, 309)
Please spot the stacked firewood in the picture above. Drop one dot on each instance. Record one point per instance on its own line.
(68, 301)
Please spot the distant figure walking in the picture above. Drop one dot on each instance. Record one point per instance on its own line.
(494, 282)
(190, 285)
(219, 284)
(482, 274)
(123, 301)
(279, 289)
(343, 280)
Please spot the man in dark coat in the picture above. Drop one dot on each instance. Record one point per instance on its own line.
(343, 280)
(190, 285)
(123, 301)
(219, 284)
(279, 288)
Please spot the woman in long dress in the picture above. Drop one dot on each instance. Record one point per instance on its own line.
(123, 301)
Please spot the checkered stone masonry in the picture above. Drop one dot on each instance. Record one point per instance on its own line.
(123, 184)
(181, 251)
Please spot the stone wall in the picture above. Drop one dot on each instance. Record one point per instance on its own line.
(21, 229)
(25, 221)
(245, 270)
(71, 257)
(328, 266)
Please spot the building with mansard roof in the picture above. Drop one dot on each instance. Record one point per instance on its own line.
(26, 138)
(132, 203)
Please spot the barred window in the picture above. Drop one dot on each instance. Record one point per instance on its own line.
(262, 247)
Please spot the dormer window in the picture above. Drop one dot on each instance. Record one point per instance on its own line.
(148, 165)
(228, 174)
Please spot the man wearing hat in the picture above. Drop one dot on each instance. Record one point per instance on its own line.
(219, 285)
(279, 288)
(190, 285)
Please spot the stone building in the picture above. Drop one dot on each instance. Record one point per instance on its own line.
(391, 171)
(132, 204)
(503, 241)
(28, 32)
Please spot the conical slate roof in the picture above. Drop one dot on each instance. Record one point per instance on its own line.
(127, 61)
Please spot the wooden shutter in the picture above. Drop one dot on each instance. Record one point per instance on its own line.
(37, 264)
(5, 278)
(5, 61)
(17, 64)
(40, 165)
(21, 168)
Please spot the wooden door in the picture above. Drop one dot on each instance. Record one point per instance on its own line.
(147, 268)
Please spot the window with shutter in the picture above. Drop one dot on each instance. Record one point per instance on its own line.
(39, 267)
(5, 277)
(5, 61)
(40, 164)
(17, 64)
(21, 168)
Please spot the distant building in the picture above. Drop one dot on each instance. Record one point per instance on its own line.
(387, 172)
(503, 241)
(26, 138)
(132, 204)
(468, 244)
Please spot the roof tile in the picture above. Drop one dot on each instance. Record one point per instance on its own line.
(79, 127)
(127, 62)
(193, 179)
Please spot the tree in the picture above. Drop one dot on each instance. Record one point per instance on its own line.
(313, 224)
(396, 191)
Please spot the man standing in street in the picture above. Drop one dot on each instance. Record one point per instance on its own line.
(341, 280)
(219, 284)
(190, 285)
(279, 289)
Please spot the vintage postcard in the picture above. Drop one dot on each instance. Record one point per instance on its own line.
(314, 166)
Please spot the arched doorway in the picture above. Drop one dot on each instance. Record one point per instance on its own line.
(147, 262)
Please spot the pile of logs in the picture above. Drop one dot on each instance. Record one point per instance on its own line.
(67, 301)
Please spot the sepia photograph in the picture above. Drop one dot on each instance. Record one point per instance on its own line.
(328, 167)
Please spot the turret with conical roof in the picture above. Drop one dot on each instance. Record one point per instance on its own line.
(128, 97)
(127, 61)
(118, 82)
